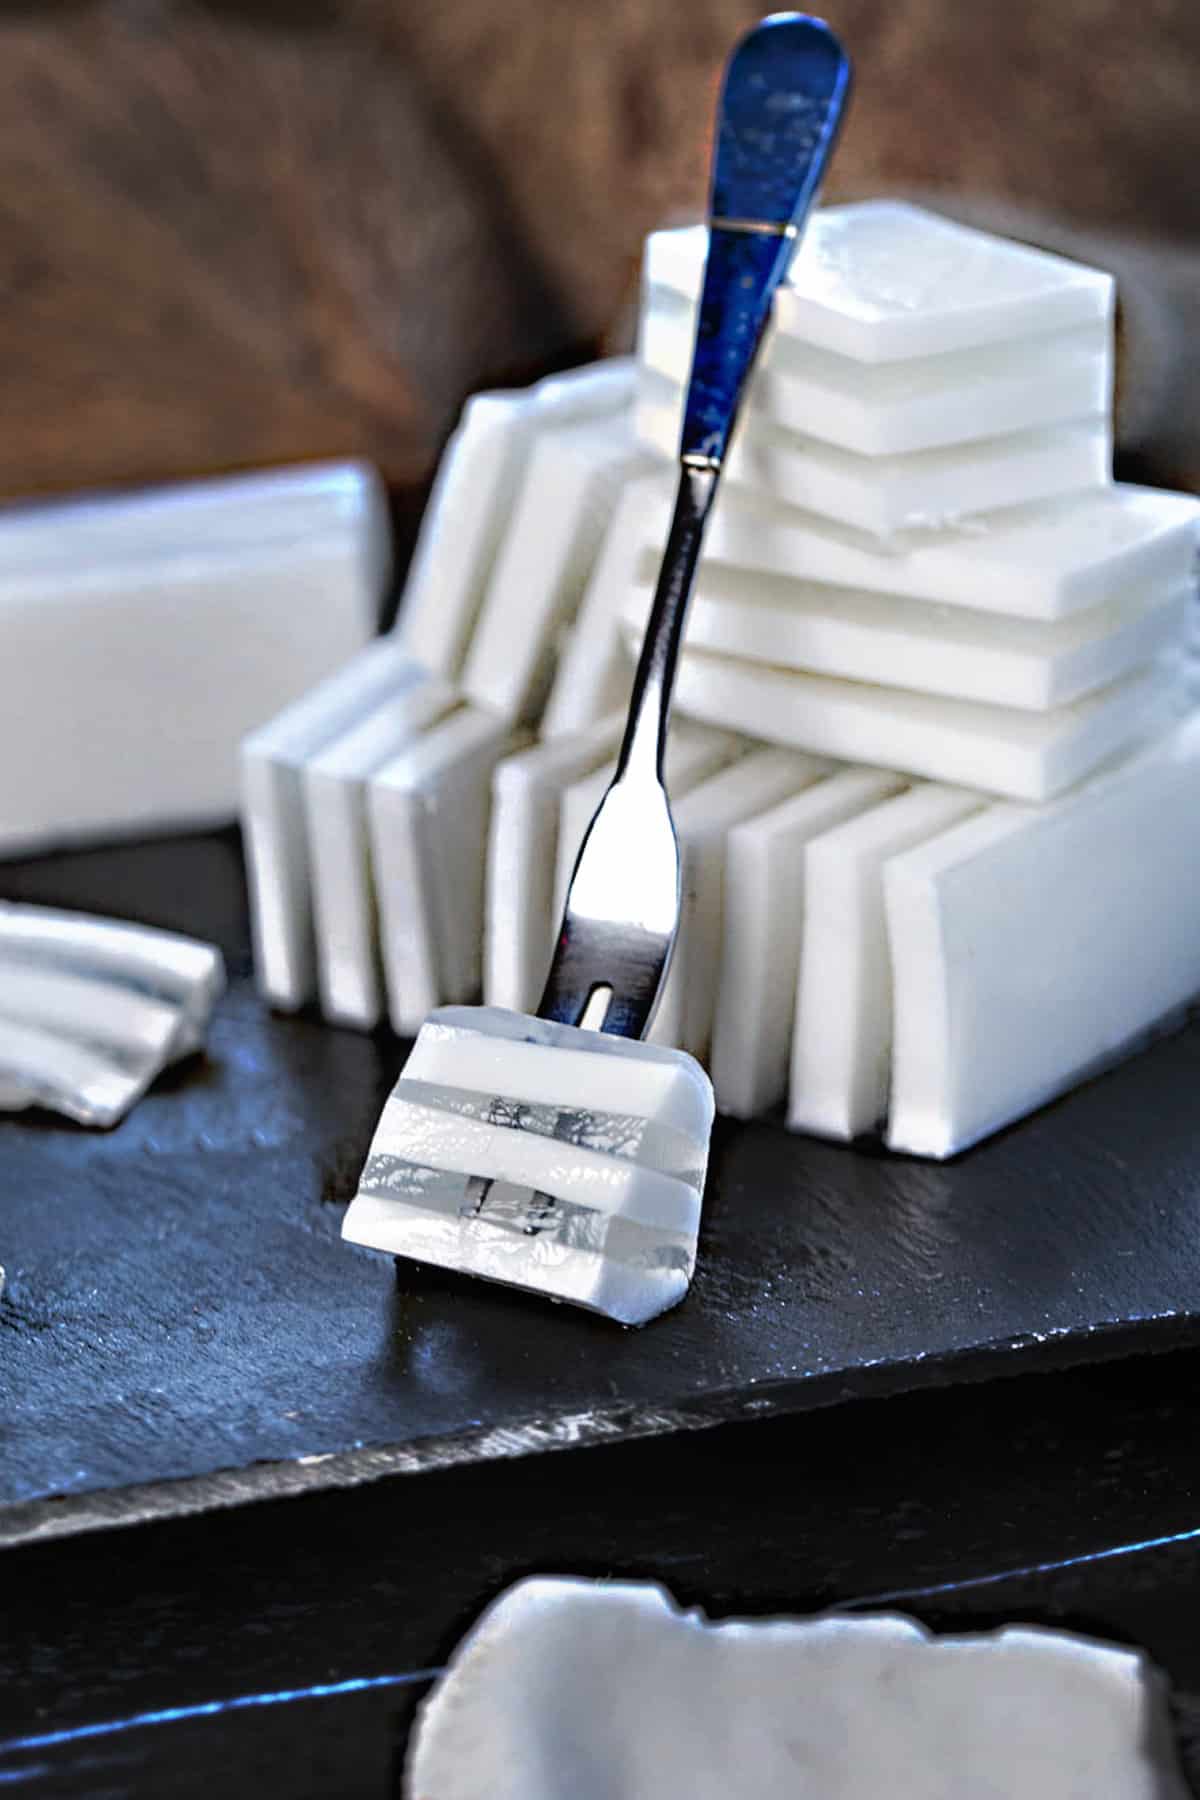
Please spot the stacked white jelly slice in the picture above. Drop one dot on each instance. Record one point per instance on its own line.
(544, 1157)
(934, 767)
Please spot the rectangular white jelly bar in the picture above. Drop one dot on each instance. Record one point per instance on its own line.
(703, 820)
(349, 970)
(545, 1157)
(478, 479)
(1024, 755)
(881, 280)
(161, 664)
(762, 924)
(841, 1048)
(428, 815)
(1036, 562)
(593, 674)
(921, 403)
(527, 792)
(274, 828)
(859, 636)
(693, 754)
(888, 496)
(1030, 946)
(556, 525)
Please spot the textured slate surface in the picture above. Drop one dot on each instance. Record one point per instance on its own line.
(180, 1310)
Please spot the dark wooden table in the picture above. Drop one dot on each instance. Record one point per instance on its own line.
(182, 1328)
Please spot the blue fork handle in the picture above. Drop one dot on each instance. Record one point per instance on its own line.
(785, 89)
(782, 99)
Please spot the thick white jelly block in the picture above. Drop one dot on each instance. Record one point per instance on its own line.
(543, 1156)
(703, 820)
(519, 926)
(1028, 663)
(841, 1046)
(1023, 755)
(428, 813)
(570, 487)
(274, 827)
(1036, 562)
(762, 925)
(126, 687)
(1031, 946)
(885, 409)
(593, 674)
(693, 754)
(349, 970)
(641, 1698)
(477, 483)
(881, 281)
(889, 495)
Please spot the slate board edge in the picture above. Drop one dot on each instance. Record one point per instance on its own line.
(42, 1520)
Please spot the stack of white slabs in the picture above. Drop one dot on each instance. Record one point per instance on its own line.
(915, 372)
(933, 648)
(142, 635)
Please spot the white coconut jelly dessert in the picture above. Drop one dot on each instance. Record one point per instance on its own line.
(542, 1156)
(142, 636)
(918, 570)
(589, 1690)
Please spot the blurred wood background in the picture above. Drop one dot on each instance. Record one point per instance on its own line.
(239, 231)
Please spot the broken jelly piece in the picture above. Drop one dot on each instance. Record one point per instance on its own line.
(588, 1690)
(543, 1156)
(92, 1010)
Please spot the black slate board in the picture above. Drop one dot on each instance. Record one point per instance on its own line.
(182, 1326)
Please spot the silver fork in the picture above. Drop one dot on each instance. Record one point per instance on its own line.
(782, 99)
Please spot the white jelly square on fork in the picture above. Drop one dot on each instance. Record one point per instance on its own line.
(544, 1156)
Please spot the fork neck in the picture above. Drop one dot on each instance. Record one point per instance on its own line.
(644, 744)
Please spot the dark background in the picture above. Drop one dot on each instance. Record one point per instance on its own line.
(242, 231)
